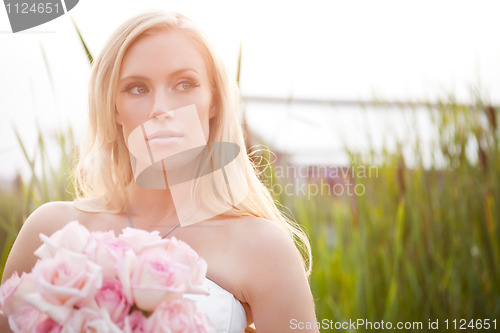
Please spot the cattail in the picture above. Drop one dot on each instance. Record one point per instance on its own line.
(491, 113)
(483, 158)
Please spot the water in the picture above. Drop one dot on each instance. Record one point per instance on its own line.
(321, 134)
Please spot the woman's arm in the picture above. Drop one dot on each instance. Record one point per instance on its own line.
(46, 219)
(275, 283)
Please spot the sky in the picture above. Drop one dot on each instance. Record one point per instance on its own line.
(338, 50)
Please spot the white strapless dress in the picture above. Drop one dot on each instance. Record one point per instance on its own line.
(224, 310)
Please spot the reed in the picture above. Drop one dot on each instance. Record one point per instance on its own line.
(419, 243)
(46, 182)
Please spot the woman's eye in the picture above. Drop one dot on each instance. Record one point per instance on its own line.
(185, 86)
(138, 90)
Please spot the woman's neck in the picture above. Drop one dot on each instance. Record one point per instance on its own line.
(145, 205)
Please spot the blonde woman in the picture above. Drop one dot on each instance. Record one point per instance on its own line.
(159, 92)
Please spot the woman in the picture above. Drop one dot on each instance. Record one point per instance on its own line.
(157, 69)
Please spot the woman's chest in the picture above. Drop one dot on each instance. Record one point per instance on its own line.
(212, 241)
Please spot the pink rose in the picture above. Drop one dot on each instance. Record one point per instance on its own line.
(73, 237)
(79, 319)
(112, 298)
(135, 323)
(90, 321)
(105, 249)
(184, 254)
(26, 319)
(13, 290)
(101, 323)
(157, 277)
(48, 326)
(178, 315)
(124, 269)
(8, 287)
(138, 238)
(62, 282)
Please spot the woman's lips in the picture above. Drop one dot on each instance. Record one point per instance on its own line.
(164, 141)
(164, 137)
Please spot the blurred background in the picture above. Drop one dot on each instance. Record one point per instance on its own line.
(381, 119)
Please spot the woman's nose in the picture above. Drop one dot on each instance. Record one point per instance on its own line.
(161, 105)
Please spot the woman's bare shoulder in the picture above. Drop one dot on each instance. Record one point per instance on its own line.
(260, 232)
(55, 209)
(52, 216)
(270, 266)
(46, 219)
(261, 244)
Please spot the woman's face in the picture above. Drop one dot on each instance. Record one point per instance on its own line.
(164, 97)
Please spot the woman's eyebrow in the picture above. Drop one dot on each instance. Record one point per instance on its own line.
(182, 70)
(133, 77)
(145, 78)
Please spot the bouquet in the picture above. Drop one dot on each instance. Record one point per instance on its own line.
(97, 282)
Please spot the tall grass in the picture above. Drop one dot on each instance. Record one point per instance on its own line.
(52, 181)
(420, 243)
(47, 182)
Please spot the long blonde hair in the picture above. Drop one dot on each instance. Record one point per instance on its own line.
(104, 169)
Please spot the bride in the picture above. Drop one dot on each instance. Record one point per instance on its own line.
(162, 107)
